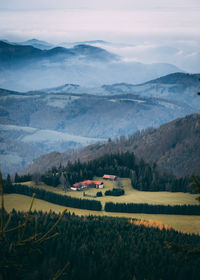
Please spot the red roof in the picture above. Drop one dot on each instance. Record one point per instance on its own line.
(76, 185)
(97, 182)
(109, 177)
(86, 183)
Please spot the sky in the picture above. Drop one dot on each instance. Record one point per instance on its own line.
(85, 19)
(144, 23)
(96, 4)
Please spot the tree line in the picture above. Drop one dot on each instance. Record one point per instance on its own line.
(62, 200)
(152, 209)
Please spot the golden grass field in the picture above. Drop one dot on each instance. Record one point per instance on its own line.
(131, 195)
(186, 224)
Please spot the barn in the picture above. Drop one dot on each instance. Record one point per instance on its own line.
(110, 177)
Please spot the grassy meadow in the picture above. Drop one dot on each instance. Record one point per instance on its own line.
(131, 195)
(182, 223)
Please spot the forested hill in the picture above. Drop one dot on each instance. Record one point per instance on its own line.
(174, 147)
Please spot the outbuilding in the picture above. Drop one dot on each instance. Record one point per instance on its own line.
(110, 177)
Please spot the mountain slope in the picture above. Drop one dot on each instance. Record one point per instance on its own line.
(173, 146)
(88, 115)
(177, 86)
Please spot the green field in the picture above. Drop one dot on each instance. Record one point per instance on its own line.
(186, 224)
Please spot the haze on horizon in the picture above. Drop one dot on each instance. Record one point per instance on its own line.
(56, 20)
(150, 30)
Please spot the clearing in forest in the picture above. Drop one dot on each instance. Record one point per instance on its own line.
(131, 195)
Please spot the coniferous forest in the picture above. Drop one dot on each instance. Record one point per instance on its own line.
(100, 248)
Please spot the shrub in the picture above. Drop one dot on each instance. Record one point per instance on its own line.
(99, 194)
(115, 192)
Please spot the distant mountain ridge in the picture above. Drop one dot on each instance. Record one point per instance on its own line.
(14, 53)
(25, 68)
(39, 44)
(90, 42)
(174, 147)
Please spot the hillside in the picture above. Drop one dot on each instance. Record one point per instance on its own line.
(72, 116)
(177, 87)
(46, 121)
(173, 146)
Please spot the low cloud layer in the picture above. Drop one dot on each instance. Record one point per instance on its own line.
(56, 25)
(183, 54)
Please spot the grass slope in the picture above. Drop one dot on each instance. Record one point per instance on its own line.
(185, 224)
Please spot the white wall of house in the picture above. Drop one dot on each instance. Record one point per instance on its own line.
(73, 189)
(99, 186)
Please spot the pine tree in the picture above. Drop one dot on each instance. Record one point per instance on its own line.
(16, 178)
(195, 185)
(8, 179)
(36, 177)
(64, 183)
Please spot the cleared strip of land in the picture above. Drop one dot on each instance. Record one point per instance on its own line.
(186, 224)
